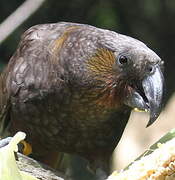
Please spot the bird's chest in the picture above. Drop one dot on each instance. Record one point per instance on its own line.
(82, 123)
(71, 123)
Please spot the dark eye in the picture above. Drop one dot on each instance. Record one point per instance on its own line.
(123, 59)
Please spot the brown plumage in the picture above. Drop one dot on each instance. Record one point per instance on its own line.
(71, 88)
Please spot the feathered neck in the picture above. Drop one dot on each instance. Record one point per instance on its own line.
(111, 89)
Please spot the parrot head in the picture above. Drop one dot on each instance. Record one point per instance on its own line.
(130, 73)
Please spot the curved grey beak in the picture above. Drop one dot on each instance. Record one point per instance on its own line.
(153, 89)
(149, 97)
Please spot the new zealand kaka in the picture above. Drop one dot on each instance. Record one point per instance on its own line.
(71, 88)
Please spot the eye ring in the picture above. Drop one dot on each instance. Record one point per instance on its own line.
(123, 59)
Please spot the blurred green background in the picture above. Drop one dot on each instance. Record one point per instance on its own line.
(149, 21)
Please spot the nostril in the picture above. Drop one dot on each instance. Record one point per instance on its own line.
(150, 69)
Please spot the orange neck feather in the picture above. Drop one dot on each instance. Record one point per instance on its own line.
(101, 67)
(102, 62)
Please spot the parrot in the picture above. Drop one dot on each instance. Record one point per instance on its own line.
(71, 88)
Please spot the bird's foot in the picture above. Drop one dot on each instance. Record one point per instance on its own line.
(24, 147)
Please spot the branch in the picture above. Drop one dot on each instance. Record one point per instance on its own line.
(36, 169)
(22, 13)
